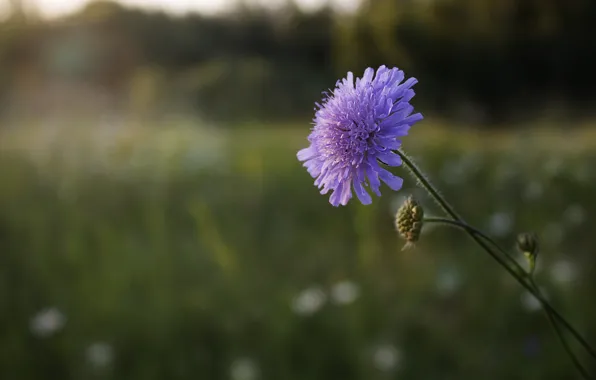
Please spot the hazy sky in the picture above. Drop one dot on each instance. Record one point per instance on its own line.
(52, 8)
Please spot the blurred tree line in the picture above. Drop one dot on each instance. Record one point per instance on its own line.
(478, 60)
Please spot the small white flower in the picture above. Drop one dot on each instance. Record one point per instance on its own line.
(309, 301)
(344, 293)
(574, 214)
(99, 354)
(531, 303)
(47, 322)
(563, 272)
(534, 190)
(386, 358)
(244, 369)
(448, 281)
(500, 223)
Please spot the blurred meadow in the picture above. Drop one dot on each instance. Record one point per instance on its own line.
(156, 224)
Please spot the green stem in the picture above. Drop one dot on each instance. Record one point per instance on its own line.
(562, 339)
(545, 304)
(426, 184)
(476, 231)
(529, 277)
(449, 210)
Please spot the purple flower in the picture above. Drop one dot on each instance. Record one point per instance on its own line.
(355, 129)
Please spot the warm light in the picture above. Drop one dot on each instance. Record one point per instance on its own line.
(55, 8)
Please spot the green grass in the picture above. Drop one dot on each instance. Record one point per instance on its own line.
(186, 250)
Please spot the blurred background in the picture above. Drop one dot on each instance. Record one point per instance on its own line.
(156, 224)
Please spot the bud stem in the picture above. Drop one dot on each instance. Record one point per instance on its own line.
(557, 329)
(549, 311)
(522, 278)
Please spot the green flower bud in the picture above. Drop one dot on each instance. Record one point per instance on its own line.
(408, 221)
(527, 243)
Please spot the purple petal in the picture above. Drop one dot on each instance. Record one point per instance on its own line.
(395, 183)
(387, 142)
(384, 108)
(413, 118)
(306, 153)
(334, 198)
(397, 117)
(346, 192)
(362, 194)
(313, 167)
(399, 91)
(399, 130)
(389, 158)
(373, 179)
(367, 77)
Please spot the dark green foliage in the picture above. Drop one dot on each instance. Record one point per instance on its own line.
(183, 269)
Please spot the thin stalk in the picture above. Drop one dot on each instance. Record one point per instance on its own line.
(545, 304)
(581, 369)
(555, 326)
(476, 231)
(449, 210)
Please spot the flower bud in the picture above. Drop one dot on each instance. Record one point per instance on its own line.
(527, 243)
(408, 221)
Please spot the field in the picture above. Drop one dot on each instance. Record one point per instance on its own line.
(189, 252)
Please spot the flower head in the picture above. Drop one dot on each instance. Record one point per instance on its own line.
(356, 128)
(408, 221)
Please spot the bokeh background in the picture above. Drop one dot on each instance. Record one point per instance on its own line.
(156, 224)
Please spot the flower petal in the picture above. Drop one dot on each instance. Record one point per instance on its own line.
(395, 183)
(306, 153)
(397, 117)
(399, 91)
(373, 179)
(361, 193)
(389, 158)
(313, 167)
(367, 77)
(346, 192)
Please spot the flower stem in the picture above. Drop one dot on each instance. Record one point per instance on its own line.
(559, 333)
(473, 233)
(481, 234)
(426, 184)
(546, 307)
